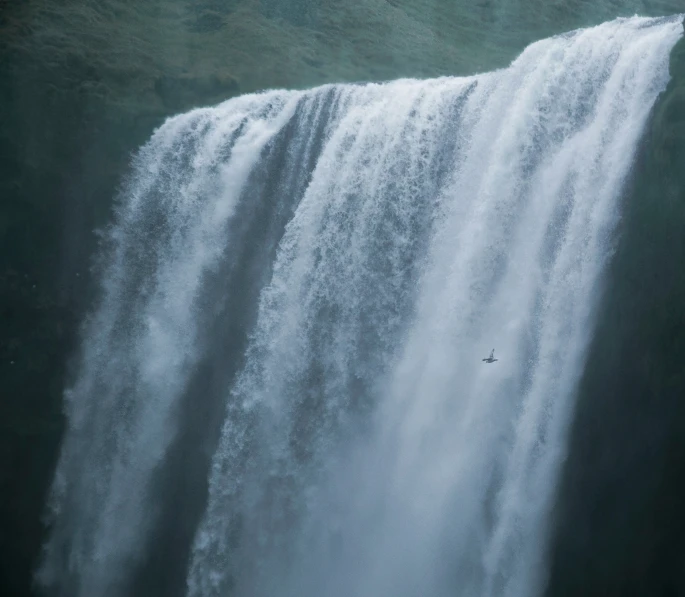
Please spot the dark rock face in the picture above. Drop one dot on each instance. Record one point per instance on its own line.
(620, 524)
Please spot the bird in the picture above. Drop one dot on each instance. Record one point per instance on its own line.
(491, 358)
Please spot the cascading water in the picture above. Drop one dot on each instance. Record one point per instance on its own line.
(304, 284)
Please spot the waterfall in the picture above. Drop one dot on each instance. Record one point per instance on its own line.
(283, 372)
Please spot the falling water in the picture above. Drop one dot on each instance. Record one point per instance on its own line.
(303, 284)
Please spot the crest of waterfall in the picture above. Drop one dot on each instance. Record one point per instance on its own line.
(296, 296)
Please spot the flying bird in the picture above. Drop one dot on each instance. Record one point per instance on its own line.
(491, 358)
